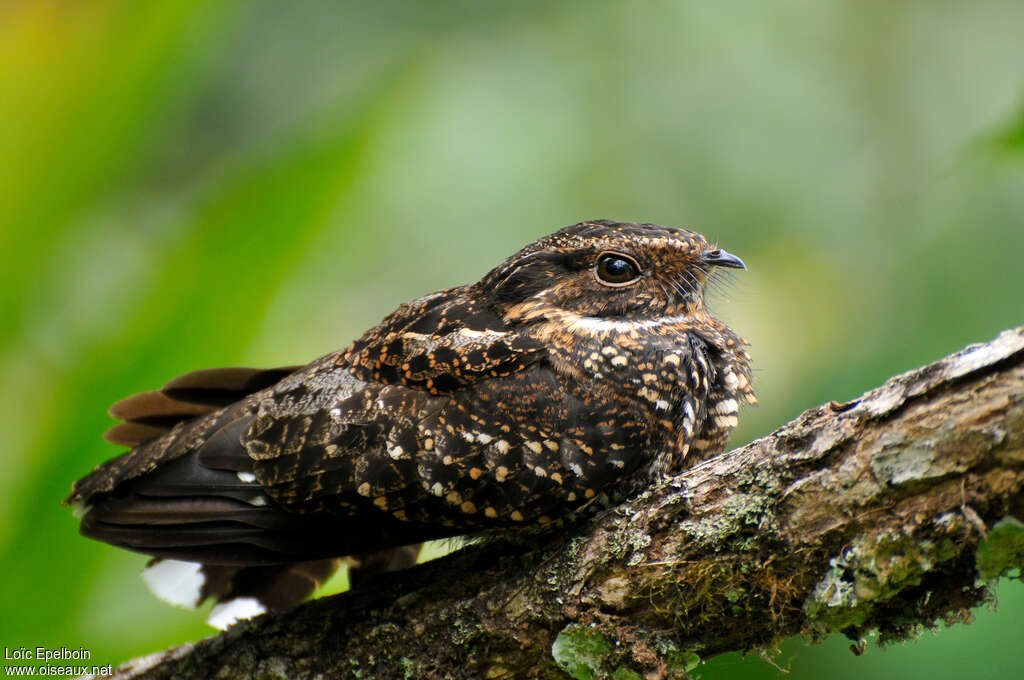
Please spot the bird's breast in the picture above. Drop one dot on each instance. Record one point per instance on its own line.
(659, 371)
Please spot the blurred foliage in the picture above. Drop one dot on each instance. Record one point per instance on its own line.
(189, 184)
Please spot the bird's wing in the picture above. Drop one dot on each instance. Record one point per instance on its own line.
(205, 490)
(514, 450)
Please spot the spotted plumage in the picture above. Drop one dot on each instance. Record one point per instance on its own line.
(576, 373)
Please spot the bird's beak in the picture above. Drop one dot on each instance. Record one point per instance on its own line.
(720, 258)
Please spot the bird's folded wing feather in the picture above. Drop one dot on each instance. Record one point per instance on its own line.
(211, 472)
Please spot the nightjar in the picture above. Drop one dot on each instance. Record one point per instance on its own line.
(578, 372)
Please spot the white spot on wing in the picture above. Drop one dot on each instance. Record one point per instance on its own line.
(80, 509)
(246, 477)
(227, 614)
(176, 582)
(476, 335)
(649, 395)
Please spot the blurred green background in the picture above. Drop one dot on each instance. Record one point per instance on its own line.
(195, 183)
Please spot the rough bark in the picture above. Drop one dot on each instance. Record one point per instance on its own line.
(887, 513)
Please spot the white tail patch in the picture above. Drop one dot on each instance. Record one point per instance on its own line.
(227, 614)
(80, 509)
(176, 582)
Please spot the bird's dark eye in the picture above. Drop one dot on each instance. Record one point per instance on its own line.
(613, 269)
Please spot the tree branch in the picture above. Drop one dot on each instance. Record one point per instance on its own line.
(885, 513)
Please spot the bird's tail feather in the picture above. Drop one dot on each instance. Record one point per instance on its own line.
(239, 592)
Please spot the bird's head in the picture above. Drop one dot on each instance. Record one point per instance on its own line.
(610, 271)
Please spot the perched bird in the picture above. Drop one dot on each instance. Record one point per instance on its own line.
(581, 370)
